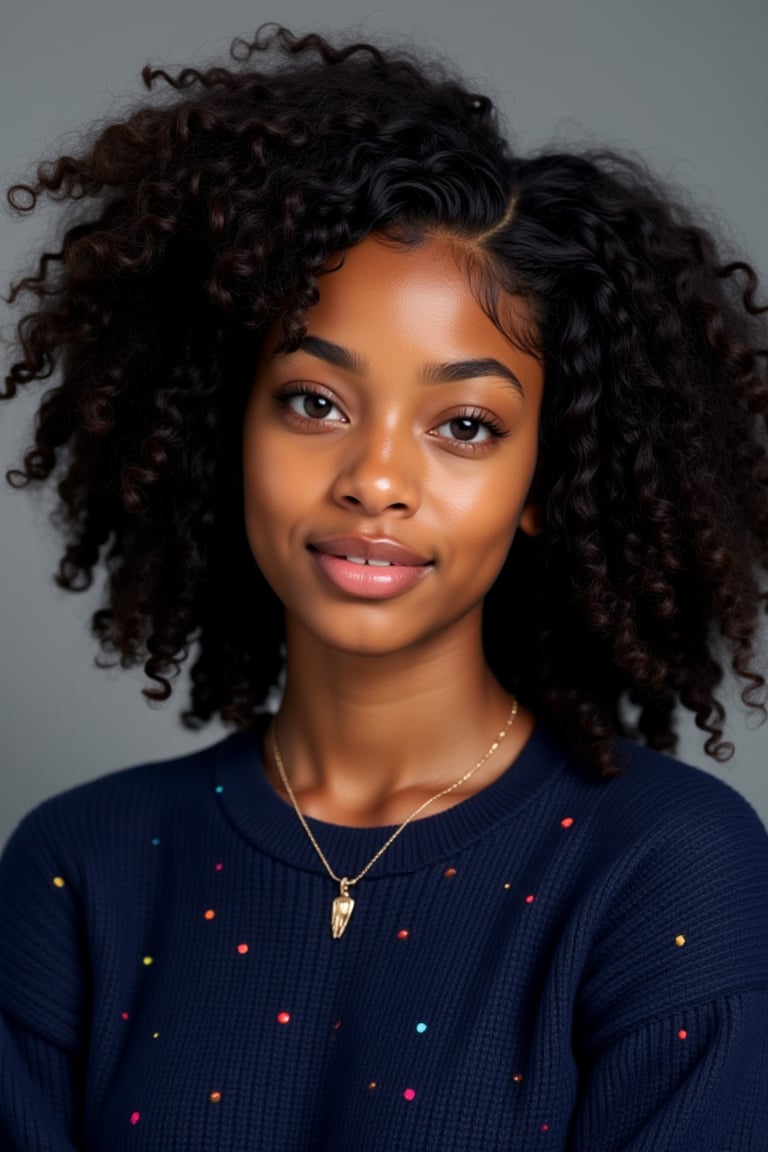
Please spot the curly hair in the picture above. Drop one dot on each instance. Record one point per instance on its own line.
(210, 211)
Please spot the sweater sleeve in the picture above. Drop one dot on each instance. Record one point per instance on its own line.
(693, 1081)
(672, 1026)
(43, 981)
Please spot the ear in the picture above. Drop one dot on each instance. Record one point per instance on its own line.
(532, 519)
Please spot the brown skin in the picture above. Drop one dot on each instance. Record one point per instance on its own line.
(388, 701)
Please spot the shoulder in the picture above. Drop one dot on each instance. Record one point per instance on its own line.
(115, 808)
(677, 883)
(662, 802)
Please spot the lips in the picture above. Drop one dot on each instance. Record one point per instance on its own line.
(364, 550)
(368, 569)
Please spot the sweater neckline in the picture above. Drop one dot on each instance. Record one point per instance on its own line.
(263, 818)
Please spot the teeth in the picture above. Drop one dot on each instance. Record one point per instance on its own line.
(373, 563)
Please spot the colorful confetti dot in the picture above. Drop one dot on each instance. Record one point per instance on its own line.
(135, 1117)
(155, 1035)
(59, 882)
(507, 886)
(125, 1016)
(567, 822)
(209, 914)
(530, 899)
(682, 1034)
(242, 949)
(372, 1086)
(409, 1094)
(449, 872)
(421, 1026)
(337, 1025)
(545, 1128)
(518, 1077)
(215, 1097)
(219, 789)
(219, 867)
(680, 941)
(283, 1017)
(403, 934)
(147, 960)
(155, 841)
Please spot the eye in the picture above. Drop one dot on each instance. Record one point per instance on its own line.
(474, 429)
(311, 406)
(464, 428)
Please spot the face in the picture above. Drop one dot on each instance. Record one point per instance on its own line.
(387, 461)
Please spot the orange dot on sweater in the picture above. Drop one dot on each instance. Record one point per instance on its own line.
(209, 913)
(567, 823)
(215, 1097)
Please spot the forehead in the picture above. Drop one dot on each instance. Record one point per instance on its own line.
(417, 298)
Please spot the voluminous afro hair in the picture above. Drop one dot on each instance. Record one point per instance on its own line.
(212, 209)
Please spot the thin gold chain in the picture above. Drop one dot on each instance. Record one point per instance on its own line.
(281, 769)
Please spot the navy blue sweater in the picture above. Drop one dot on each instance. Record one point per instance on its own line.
(556, 963)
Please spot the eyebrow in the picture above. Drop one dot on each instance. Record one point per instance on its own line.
(448, 373)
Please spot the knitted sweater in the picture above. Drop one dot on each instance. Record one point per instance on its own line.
(556, 963)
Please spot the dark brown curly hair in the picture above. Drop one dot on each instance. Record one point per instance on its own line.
(210, 210)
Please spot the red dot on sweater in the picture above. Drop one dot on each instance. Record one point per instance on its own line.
(518, 1077)
(567, 823)
(337, 1025)
(135, 1117)
(242, 949)
(409, 1094)
(449, 872)
(530, 899)
(125, 1016)
(403, 934)
(545, 1127)
(682, 1034)
(283, 1017)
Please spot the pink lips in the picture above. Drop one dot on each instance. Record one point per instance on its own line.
(345, 563)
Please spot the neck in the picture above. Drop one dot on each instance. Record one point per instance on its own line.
(365, 739)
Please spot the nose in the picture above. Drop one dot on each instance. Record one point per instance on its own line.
(379, 472)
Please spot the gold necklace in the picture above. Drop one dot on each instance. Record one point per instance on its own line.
(344, 904)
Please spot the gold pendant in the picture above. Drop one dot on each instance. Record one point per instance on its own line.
(342, 910)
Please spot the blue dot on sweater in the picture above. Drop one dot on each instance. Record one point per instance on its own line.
(219, 788)
(155, 840)
(421, 1027)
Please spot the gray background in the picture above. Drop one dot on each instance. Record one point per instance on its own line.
(681, 81)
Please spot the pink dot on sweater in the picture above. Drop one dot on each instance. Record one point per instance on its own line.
(682, 1034)
(219, 867)
(567, 823)
(125, 1016)
(135, 1117)
(409, 1094)
(530, 899)
(242, 949)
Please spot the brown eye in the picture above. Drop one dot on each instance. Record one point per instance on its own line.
(462, 428)
(466, 429)
(312, 405)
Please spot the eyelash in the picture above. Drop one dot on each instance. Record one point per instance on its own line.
(495, 430)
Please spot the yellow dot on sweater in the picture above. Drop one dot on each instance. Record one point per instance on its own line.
(155, 1035)
(679, 940)
(148, 960)
(59, 882)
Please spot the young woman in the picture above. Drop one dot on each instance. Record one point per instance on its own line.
(471, 447)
